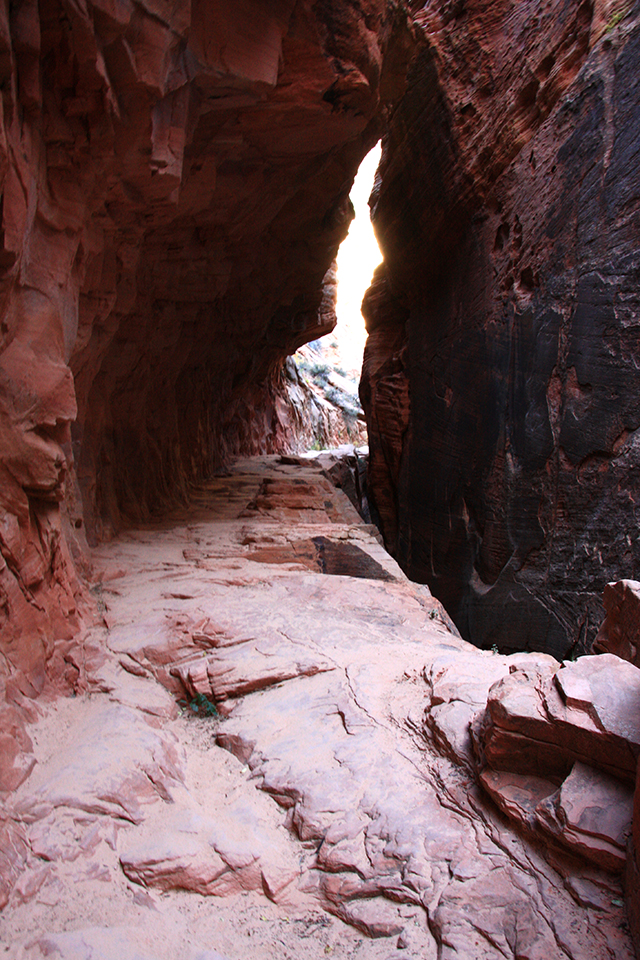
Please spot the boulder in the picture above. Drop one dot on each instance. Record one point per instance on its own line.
(590, 814)
(620, 631)
(543, 721)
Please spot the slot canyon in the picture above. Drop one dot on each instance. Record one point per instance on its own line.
(238, 719)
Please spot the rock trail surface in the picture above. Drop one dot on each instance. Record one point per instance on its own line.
(330, 804)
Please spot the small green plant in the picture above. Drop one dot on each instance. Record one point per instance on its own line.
(320, 371)
(494, 648)
(615, 19)
(201, 706)
(98, 594)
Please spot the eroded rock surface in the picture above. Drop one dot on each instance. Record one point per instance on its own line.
(500, 376)
(175, 182)
(620, 630)
(337, 780)
(632, 873)
(555, 746)
(546, 719)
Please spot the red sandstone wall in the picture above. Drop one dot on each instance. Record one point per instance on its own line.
(175, 182)
(501, 375)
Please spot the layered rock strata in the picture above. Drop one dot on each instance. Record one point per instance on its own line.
(501, 373)
(620, 635)
(632, 873)
(175, 183)
(555, 746)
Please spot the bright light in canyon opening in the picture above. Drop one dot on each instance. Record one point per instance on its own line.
(358, 256)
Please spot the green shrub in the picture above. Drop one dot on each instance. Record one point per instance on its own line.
(200, 705)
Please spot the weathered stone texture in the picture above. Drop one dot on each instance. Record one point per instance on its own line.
(347, 701)
(175, 182)
(620, 631)
(632, 874)
(507, 209)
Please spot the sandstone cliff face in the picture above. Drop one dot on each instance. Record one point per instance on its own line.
(175, 179)
(501, 374)
(175, 184)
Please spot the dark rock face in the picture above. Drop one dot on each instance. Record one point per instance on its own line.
(506, 324)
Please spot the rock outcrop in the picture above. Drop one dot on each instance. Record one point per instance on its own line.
(620, 630)
(555, 746)
(295, 741)
(500, 377)
(620, 635)
(175, 182)
(545, 720)
(561, 750)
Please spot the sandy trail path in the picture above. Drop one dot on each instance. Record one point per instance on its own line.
(311, 814)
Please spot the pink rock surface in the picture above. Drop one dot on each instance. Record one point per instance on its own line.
(185, 849)
(620, 631)
(537, 723)
(459, 688)
(335, 804)
(632, 872)
(16, 750)
(541, 722)
(14, 854)
(103, 943)
(591, 814)
(239, 670)
(517, 794)
(115, 765)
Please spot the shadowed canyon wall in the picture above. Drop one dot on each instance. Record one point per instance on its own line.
(501, 378)
(175, 178)
(175, 186)
(175, 181)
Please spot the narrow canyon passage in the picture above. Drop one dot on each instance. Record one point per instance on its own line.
(248, 771)
(220, 698)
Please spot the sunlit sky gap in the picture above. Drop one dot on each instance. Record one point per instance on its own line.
(358, 256)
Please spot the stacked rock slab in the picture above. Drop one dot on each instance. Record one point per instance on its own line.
(620, 631)
(501, 372)
(544, 721)
(620, 634)
(560, 751)
(555, 746)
